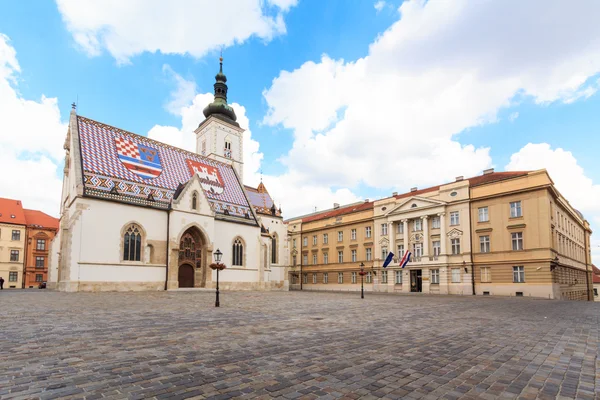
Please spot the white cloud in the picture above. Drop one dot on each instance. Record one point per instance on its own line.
(183, 94)
(389, 120)
(31, 140)
(195, 27)
(513, 116)
(569, 178)
(379, 5)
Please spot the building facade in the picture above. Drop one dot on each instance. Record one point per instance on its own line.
(12, 242)
(40, 231)
(137, 214)
(500, 233)
(529, 240)
(328, 247)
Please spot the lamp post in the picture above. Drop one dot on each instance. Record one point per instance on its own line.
(362, 274)
(218, 266)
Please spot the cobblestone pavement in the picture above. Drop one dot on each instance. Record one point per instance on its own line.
(295, 345)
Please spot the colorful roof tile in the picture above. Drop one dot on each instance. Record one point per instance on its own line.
(11, 212)
(123, 166)
(261, 200)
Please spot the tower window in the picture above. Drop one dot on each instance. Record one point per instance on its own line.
(227, 150)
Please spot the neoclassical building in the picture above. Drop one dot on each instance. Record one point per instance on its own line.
(137, 214)
(499, 233)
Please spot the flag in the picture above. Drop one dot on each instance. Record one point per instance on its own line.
(405, 259)
(388, 259)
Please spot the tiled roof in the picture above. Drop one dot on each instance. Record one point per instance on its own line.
(123, 166)
(11, 212)
(495, 176)
(339, 211)
(40, 219)
(595, 274)
(261, 199)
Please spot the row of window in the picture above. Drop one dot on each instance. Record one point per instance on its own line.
(516, 241)
(516, 211)
(565, 223)
(455, 276)
(326, 237)
(353, 253)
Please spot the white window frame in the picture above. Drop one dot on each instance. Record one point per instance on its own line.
(305, 241)
(368, 231)
(305, 278)
(305, 259)
(400, 248)
(384, 253)
(326, 258)
(340, 236)
(340, 277)
(353, 234)
(314, 278)
(454, 218)
(455, 275)
(314, 240)
(340, 256)
(484, 244)
(354, 277)
(435, 223)
(325, 238)
(400, 228)
(398, 277)
(315, 259)
(437, 250)
(486, 274)
(519, 274)
(369, 277)
(384, 276)
(455, 244)
(417, 225)
(325, 277)
(417, 250)
(384, 229)
(354, 258)
(435, 276)
(369, 252)
(516, 239)
(516, 209)
(483, 214)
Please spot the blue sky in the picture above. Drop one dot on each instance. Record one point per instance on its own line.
(345, 99)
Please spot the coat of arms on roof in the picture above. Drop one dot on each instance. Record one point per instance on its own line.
(210, 178)
(140, 159)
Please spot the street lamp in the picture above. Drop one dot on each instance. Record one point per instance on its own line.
(217, 266)
(362, 274)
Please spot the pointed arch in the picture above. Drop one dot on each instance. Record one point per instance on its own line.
(133, 242)
(275, 248)
(195, 200)
(238, 255)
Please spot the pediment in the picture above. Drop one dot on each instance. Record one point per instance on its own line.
(184, 200)
(454, 233)
(415, 203)
(384, 241)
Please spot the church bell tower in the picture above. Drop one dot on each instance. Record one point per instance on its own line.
(219, 136)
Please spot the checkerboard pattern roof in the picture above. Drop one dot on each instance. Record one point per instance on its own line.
(104, 173)
(261, 199)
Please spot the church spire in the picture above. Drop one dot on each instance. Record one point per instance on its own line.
(219, 107)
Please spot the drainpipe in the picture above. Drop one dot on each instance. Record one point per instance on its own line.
(471, 252)
(589, 290)
(167, 254)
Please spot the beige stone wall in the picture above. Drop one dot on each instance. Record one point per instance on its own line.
(6, 245)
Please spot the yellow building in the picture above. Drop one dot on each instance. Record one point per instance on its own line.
(528, 239)
(500, 233)
(12, 243)
(328, 247)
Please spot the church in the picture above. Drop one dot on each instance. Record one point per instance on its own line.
(138, 214)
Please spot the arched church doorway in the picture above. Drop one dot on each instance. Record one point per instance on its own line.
(192, 271)
(186, 276)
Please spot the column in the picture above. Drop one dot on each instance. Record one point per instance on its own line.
(405, 239)
(425, 236)
(392, 237)
(443, 233)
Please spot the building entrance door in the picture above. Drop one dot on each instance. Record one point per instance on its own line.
(186, 276)
(415, 280)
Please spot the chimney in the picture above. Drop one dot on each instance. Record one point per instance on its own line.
(413, 189)
(395, 194)
(488, 171)
(459, 178)
(336, 206)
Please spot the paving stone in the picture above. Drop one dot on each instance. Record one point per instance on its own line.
(262, 345)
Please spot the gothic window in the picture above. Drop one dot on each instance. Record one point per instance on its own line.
(227, 150)
(274, 250)
(238, 252)
(195, 201)
(132, 243)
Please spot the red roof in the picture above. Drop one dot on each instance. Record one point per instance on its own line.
(11, 212)
(495, 176)
(339, 211)
(38, 218)
(595, 274)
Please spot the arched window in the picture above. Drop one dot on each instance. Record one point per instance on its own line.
(274, 250)
(195, 201)
(190, 251)
(132, 244)
(238, 252)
